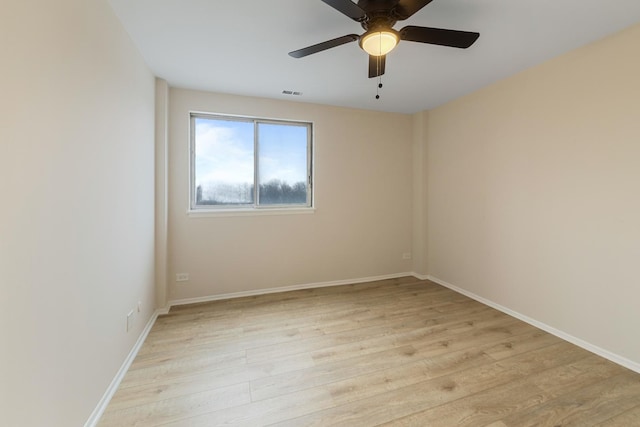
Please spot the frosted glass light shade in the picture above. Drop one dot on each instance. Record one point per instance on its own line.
(379, 43)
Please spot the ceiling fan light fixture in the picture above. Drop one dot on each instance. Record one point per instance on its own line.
(379, 42)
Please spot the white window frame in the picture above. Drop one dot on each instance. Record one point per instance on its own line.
(255, 208)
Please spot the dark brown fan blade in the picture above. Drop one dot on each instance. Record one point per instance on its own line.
(324, 46)
(348, 8)
(439, 36)
(406, 8)
(376, 65)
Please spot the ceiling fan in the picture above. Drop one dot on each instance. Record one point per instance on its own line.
(378, 17)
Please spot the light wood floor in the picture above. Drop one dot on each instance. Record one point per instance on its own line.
(399, 352)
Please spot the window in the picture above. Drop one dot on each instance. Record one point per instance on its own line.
(247, 163)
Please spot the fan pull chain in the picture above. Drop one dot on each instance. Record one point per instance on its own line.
(379, 87)
(379, 78)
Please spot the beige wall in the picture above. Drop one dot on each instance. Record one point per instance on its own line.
(76, 215)
(420, 207)
(161, 188)
(534, 197)
(363, 196)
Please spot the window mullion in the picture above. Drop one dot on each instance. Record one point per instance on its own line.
(192, 162)
(256, 166)
(309, 165)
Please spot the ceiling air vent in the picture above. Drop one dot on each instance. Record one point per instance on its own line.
(291, 92)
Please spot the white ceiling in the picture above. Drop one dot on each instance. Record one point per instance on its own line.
(241, 46)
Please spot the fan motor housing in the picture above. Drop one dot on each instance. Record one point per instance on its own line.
(380, 13)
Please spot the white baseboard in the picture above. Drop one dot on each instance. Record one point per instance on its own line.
(623, 361)
(106, 398)
(284, 289)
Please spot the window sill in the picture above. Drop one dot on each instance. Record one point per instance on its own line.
(204, 213)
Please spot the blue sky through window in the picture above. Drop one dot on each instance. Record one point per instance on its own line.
(283, 153)
(224, 151)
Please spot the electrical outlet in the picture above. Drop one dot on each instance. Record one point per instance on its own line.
(182, 277)
(406, 255)
(129, 320)
(139, 306)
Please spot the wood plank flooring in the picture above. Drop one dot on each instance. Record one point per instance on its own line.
(399, 352)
